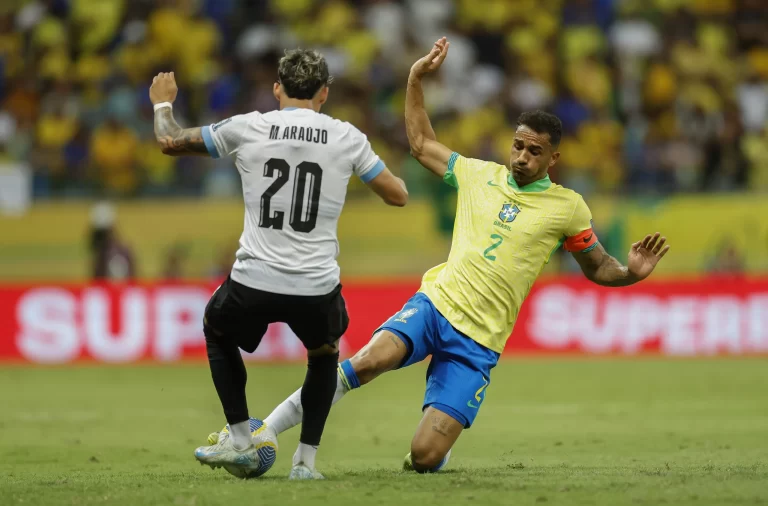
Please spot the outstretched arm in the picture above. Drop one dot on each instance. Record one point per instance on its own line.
(173, 140)
(601, 268)
(421, 137)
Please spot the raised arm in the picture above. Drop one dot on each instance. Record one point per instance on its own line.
(173, 140)
(601, 268)
(421, 137)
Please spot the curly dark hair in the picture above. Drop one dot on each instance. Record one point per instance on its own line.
(543, 123)
(303, 72)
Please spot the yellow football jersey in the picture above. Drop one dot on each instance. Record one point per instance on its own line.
(502, 238)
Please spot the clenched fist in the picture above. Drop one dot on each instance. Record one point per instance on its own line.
(163, 88)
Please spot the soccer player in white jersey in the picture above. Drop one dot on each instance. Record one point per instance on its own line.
(295, 164)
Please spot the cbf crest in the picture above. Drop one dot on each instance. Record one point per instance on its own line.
(508, 213)
(404, 315)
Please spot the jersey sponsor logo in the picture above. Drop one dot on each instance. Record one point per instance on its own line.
(491, 183)
(404, 315)
(220, 124)
(588, 238)
(478, 397)
(508, 213)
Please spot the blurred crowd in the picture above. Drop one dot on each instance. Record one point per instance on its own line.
(656, 96)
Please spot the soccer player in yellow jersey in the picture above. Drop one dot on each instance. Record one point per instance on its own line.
(509, 220)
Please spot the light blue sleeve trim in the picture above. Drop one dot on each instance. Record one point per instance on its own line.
(452, 161)
(375, 171)
(590, 248)
(209, 144)
(449, 176)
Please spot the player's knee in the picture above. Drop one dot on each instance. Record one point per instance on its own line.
(331, 349)
(425, 457)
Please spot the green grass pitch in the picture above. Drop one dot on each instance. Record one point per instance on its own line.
(551, 431)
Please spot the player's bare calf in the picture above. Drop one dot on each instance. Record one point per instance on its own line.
(384, 352)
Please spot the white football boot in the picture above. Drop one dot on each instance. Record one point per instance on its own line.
(223, 453)
(302, 472)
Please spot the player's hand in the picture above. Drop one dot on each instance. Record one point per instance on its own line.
(645, 255)
(433, 60)
(163, 88)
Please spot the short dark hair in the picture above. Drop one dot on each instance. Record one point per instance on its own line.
(543, 123)
(302, 72)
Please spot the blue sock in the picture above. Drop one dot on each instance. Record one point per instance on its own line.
(348, 375)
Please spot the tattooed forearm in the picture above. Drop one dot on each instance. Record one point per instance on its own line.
(175, 140)
(601, 268)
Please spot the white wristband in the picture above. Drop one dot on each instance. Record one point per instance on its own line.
(163, 104)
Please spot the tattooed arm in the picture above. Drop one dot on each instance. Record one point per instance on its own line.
(173, 139)
(601, 268)
(177, 141)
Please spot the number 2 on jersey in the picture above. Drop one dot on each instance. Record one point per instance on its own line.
(306, 173)
(498, 240)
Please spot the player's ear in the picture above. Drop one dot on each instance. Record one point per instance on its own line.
(322, 95)
(555, 158)
(276, 91)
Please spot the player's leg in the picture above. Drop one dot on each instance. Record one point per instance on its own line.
(225, 321)
(316, 399)
(434, 438)
(387, 350)
(229, 379)
(457, 379)
(319, 323)
(383, 353)
(398, 343)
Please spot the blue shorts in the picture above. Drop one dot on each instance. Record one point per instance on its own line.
(460, 370)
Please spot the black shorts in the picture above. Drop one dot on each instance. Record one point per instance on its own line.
(240, 314)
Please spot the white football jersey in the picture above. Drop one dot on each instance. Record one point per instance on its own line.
(295, 165)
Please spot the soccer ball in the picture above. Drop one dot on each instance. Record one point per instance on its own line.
(266, 448)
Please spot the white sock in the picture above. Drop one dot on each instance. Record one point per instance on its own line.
(305, 454)
(241, 435)
(288, 414)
